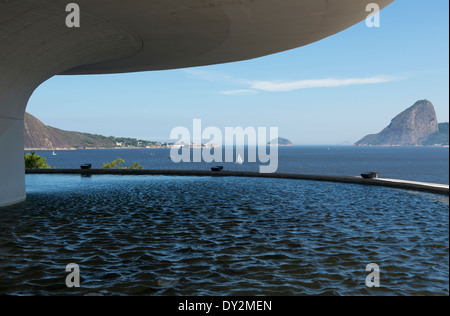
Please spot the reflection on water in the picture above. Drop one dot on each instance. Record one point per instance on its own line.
(156, 235)
(444, 199)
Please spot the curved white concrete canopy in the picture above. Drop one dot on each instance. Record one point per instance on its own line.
(118, 36)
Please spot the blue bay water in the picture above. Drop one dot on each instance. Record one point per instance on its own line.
(429, 164)
(168, 235)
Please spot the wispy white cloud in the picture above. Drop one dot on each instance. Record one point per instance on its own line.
(208, 75)
(255, 86)
(273, 86)
(239, 92)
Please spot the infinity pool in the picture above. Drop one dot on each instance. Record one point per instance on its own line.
(162, 235)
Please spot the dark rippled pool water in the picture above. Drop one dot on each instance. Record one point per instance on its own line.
(156, 235)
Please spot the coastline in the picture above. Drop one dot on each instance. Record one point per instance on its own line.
(428, 146)
(90, 148)
(119, 147)
(169, 147)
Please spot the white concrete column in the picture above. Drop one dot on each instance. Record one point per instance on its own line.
(36, 44)
(12, 178)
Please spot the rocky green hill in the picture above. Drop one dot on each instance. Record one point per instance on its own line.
(280, 142)
(441, 137)
(417, 125)
(37, 136)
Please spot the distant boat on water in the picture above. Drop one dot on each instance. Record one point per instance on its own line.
(54, 154)
(239, 160)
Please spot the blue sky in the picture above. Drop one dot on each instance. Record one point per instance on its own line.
(336, 90)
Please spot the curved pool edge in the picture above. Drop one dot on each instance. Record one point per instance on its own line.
(434, 188)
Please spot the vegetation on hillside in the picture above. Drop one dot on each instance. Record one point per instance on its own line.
(441, 137)
(39, 135)
(85, 140)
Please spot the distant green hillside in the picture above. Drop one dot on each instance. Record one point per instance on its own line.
(37, 135)
(441, 137)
